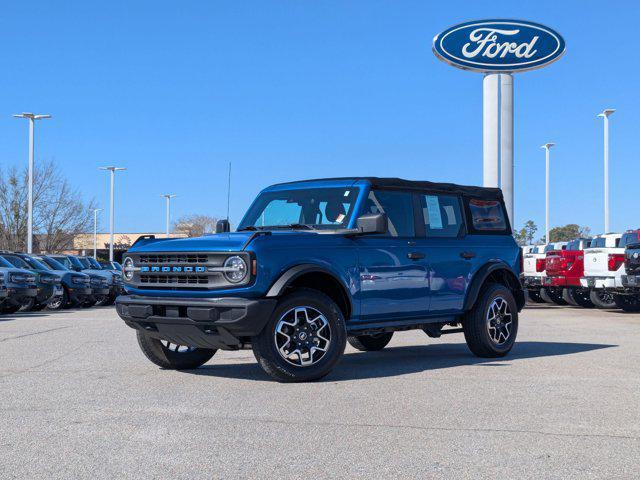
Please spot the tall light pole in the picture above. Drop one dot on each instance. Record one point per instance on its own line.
(547, 147)
(95, 232)
(168, 196)
(113, 171)
(606, 114)
(32, 120)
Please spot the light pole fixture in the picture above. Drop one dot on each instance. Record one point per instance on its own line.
(95, 232)
(113, 171)
(168, 197)
(547, 147)
(32, 120)
(606, 114)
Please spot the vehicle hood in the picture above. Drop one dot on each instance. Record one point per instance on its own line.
(98, 273)
(219, 242)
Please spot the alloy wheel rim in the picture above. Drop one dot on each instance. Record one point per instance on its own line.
(499, 321)
(302, 336)
(55, 304)
(175, 348)
(606, 297)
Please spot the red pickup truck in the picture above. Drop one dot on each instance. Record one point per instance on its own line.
(564, 270)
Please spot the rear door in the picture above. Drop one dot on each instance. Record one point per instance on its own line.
(394, 282)
(449, 256)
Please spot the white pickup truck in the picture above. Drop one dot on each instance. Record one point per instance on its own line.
(533, 270)
(603, 268)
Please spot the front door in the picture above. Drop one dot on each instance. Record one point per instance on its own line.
(394, 281)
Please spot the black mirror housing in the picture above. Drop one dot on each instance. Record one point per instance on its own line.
(372, 223)
(223, 226)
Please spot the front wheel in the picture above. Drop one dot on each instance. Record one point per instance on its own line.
(490, 328)
(370, 343)
(172, 356)
(602, 299)
(628, 303)
(304, 338)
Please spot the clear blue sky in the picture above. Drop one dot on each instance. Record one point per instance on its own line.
(298, 89)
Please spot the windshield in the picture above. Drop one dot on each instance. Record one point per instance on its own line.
(35, 263)
(630, 237)
(316, 208)
(94, 263)
(64, 261)
(53, 263)
(83, 262)
(5, 264)
(17, 262)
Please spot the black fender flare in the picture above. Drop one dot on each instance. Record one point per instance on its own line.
(289, 275)
(481, 276)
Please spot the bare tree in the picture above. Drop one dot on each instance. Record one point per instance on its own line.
(195, 225)
(59, 211)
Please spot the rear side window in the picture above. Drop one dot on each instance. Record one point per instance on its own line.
(398, 206)
(442, 215)
(487, 216)
(630, 237)
(598, 243)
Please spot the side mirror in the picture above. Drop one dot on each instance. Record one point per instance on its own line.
(372, 223)
(223, 226)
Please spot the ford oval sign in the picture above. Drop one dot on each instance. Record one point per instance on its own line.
(498, 45)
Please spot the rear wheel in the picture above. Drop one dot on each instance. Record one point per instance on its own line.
(490, 328)
(602, 298)
(172, 356)
(544, 295)
(555, 294)
(370, 343)
(628, 303)
(534, 296)
(304, 339)
(567, 297)
(581, 296)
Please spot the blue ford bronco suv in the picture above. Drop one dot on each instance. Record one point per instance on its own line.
(314, 264)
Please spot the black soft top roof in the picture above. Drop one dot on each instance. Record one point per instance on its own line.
(402, 184)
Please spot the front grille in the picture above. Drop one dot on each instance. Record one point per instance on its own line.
(178, 271)
(190, 258)
(174, 279)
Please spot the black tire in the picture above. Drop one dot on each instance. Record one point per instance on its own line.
(602, 299)
(60, 303)
(534, 296)
(38, 307)
(544, 295)
(477, 323)
(555, 294)
(102, 300)
(166, 357)
(324, 313)
(370, 343)
(567, 297)
(10, 309)
(581, 296)
(28, 305)
(628, 303)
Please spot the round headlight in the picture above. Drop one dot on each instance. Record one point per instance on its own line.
(235, 269)
(127, 268)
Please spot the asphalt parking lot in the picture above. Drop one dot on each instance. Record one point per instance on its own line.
(79, 400)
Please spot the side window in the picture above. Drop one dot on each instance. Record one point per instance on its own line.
(442, 215)
(398, 206)
(487, 215)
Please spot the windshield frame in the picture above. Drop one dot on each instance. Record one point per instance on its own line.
(13, 256)
(55, 264)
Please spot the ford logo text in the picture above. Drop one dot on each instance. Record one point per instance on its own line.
(498, 45)
(161, 269)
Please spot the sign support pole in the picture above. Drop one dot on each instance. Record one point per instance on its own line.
(490, 117)
(506, 141)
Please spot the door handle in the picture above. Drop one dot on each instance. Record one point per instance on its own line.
(415, 255)
(467, 255)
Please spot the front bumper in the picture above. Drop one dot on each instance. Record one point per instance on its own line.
(222, 323)
(631, 282)
(18, 296)
(100, 291)
(78, 295)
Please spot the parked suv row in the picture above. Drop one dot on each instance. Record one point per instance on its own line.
(33, 282)
(586, 272)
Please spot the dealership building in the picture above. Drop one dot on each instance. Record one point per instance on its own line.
(82, 244)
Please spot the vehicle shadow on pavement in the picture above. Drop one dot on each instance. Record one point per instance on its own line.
(402, 360)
